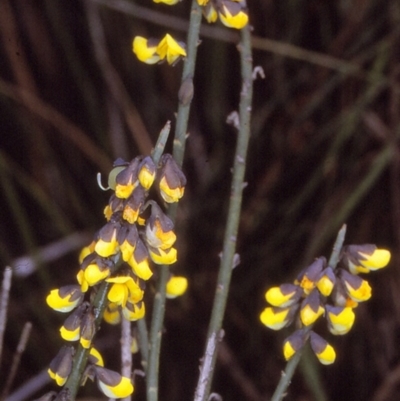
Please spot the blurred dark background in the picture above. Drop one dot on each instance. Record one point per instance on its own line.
(323, 151)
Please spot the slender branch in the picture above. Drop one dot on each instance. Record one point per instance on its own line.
(287, 374)
(161, 142)
(228, 253)
(126, 354)
(143, 342)
(187, 76)
(26, 331)
(5, 294)
(178, 153)
(80, 359)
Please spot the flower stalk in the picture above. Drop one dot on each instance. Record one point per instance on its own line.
(228, 254)
(186, 94)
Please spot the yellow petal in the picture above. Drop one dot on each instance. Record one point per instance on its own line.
(144, 52)
(237, 21)
(176, 286)
(170, 49)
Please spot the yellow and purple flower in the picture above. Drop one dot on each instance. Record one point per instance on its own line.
(365, 258)
(65, 299)
(112, 384)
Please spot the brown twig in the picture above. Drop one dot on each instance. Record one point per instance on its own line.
(23, 340)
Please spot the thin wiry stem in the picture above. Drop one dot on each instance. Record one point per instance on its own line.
(143, 340)
(228, 253)
(74, 380)
(126, 354)
(5, 294)
(185, 97)
(26, 331)
(291, 366)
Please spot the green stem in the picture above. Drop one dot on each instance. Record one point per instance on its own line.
(161, 142)
(287, 375)
(156, 334)
(143, 340)
(80, 359)
(186, 82)
(185, 97)
(229, 247)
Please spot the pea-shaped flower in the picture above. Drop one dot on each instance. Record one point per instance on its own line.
(284, 295)
(112, 384)
(293, 343)
(172, 181)
(340, 319)
(365, 258)
(124, 288)
(232, 15)
(65, 299)
(324, 351)
(61, 366)
(311, 308)
(146, 49)
(357, 289)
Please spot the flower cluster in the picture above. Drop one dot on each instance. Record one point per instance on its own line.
(137, 232)
(319, 290)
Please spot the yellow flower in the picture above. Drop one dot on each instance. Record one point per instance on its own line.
(293, 343)
(139, 262)
(159, 228)
(95, 357)
(134, 311)
(172, 181)
(147, 172)
(307, 279)
(170, 49)
(124, 288)
(107, 243)
(285, 295)
(210, 13)
(87, 250)
(275, 318)
(324, 352)
(311, 308)
(357, 289)
(70, 330)
(112, 314)
(146, 50)
(365, 258)
(126, 180)
(176, 286)
(112, 384)
(163, 257)
(61, 366)
(340, 319)
(232, 15)
(93, 274)
(65, 299)
(326, 281)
